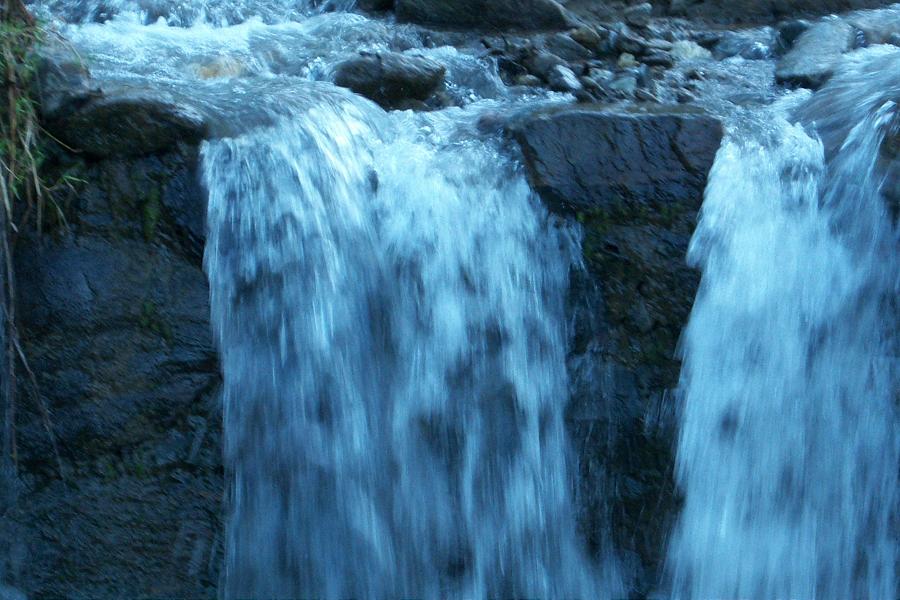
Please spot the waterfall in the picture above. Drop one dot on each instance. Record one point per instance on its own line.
(788, 451)
(388, 298)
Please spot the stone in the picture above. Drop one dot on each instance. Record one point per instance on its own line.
(390, 78)
(563, 79)
(754, 11)
(789, 31)
(634, 182)
(627, 84)
(125, 122)
(585, 158)
(750, 45)
(64, 81)
(528, 80)
(542, 64)
(524, 15)
(627, 60)
(685, 50)
(375, 5)
(816, 53)
(566, 48)
(591, 39)
(658, 59)
(639, 15)
(630, 42)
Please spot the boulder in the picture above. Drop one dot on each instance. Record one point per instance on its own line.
(585, 158)
(125, 123)
(115, 121)
(816, 53)
(639, 14)
(375, 5)
(634, 181)
(764, 11)
(566, 48)
(525, 15)
(390, 78)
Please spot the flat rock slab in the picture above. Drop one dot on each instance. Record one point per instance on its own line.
(525, 15)
(816, 54)
(585, 158)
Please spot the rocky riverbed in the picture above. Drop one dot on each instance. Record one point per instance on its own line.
(615, 112)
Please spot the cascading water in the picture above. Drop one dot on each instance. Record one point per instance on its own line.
(390, 313)
(789, 447)
(388, 298)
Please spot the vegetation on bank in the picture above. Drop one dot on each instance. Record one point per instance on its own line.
(25, 197)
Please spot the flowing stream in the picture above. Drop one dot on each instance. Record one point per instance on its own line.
(388, 298)
(788, 451)
(390, 313)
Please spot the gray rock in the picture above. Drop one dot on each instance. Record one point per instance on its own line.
(635, 183)
(658, 58)
(626, 84)
(543, 63)
(685, 50)
(126, 122)
(755, 11)
(563, 79)
(390, 78)
(566, 48)
(639, 15)
(64, 81)
(111, 122)
(584, 158)
(375, 5)
(751, 45)
(816, 53)
(789, 31)
(526, 15)
(592, 39)
(630, 42)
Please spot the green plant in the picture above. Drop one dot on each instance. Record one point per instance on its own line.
(24, 195)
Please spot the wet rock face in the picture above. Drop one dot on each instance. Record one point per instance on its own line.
(525, 15)
(106, 123)
(114, 316)
(391, 79)
(635, 182)
(586, 159)
(128, 123)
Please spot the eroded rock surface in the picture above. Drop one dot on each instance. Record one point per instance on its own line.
(635, 182)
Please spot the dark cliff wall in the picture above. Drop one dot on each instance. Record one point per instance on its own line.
(115, 322)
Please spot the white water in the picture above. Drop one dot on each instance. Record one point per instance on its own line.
(387, 296)
(788, 452)
(389, 308)
(388, 299)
